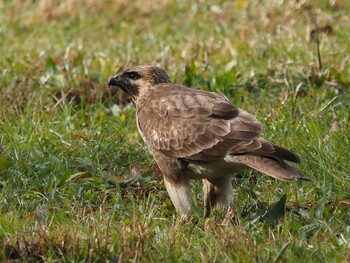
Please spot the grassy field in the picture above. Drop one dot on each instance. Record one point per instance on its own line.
(76, 181)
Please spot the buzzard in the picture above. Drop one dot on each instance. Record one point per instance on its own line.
(195, 134)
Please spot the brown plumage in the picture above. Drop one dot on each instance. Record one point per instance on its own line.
(194, 134)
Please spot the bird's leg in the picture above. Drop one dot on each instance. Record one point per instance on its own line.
(180, 194)
(177, 184)
(217, 192)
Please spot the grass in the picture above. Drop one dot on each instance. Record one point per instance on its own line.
(76, 181)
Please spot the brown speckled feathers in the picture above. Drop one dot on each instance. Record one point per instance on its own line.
(193, 124)
(202, 130)
(202, 126)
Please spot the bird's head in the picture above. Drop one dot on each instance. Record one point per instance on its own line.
(135, 80)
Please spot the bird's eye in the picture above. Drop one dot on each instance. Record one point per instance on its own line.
(133, 75)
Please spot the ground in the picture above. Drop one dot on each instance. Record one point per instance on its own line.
(76, 180)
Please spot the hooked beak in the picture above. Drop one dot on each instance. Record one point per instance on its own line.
(114, 81)
(118, 82)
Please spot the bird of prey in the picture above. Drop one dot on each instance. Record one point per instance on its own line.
(195, 134)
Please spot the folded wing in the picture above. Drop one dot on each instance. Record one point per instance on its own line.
(196, 125)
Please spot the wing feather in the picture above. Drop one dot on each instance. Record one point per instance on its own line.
(193, 124)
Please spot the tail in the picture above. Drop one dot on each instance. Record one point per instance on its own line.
(268, 158)
(274, 167)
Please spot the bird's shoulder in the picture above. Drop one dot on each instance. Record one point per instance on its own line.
(168, 99)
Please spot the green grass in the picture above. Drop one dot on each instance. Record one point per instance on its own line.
(70, 154)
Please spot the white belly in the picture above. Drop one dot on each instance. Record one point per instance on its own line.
(224, 167)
